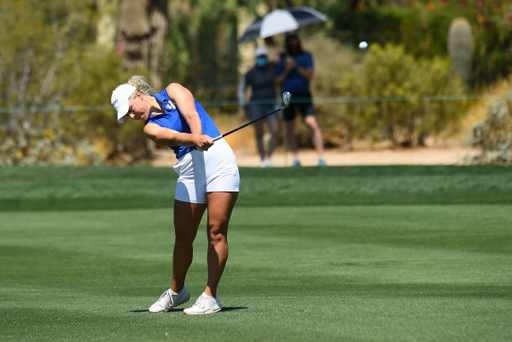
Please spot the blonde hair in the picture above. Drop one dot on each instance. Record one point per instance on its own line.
(142, 85)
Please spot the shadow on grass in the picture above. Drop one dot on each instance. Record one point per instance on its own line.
(232, 308)
(226, 308)
(146, 310)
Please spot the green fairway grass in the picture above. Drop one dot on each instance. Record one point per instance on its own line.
(90, 188)
(398, 253)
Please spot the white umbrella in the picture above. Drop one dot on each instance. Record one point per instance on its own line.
(281, 21)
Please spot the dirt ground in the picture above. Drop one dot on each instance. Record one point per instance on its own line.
(454, 154)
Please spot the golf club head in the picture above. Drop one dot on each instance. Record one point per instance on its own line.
(287, 97)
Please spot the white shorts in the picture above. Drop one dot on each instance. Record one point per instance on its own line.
(201, 172)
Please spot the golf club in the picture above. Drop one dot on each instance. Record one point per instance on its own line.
(286, 102)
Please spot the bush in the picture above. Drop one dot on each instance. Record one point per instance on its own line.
(50, 62)
(390, 72)
(100, 74)
(493, 135)
(39, 61)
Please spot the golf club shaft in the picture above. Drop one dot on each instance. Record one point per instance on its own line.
(247, 124)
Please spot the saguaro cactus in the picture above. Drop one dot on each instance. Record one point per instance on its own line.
(460, 48)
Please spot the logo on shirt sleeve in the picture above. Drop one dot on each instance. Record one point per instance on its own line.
(170, 105)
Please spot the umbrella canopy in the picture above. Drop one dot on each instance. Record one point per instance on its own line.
(281, 21)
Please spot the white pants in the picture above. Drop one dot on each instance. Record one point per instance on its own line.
(201, 172)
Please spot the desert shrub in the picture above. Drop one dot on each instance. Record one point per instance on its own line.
(39, 64)
(402, 117)
(493, 135)
(99, 75)
(49, 63)
(478, 109)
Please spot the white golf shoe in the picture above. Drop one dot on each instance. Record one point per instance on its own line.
(169, 300)
(204, 305)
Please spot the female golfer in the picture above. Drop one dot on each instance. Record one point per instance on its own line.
(208, 179)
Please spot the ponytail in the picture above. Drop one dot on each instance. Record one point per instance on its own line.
(141, 83)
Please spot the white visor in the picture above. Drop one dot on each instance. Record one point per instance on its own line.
(120, 98)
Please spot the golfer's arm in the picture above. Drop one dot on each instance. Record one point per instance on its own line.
(168, 137)
(185, 102)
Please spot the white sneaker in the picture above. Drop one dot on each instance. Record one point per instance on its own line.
(169, 300)
(270, 163)
(204, 305)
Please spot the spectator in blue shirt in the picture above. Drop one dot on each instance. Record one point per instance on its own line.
(294, 73)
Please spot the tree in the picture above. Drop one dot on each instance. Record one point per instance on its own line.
(143, 29)
(39, 64)
(202, 47)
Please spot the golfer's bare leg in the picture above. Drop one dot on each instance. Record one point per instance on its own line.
(316, 133)
(290, 135)
(258, 129)
(187, 217)
(220, 206)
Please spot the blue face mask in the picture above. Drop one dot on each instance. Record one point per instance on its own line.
(261, 61)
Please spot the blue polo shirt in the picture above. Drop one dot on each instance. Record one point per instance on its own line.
(173, 119)
(294, 83)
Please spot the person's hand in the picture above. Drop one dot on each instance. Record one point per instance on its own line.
(203, 142)
(289, 63)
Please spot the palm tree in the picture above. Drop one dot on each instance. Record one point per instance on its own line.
(142, 31)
